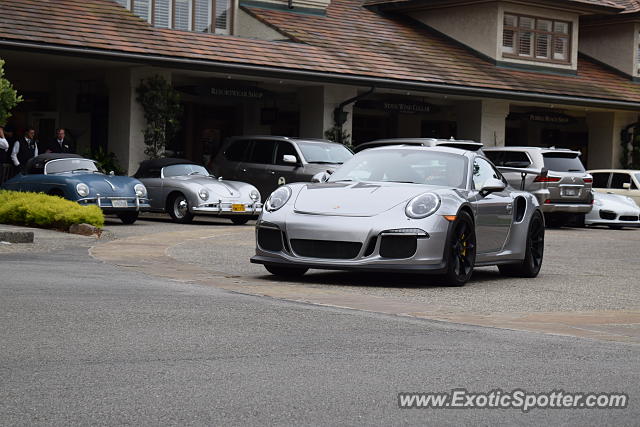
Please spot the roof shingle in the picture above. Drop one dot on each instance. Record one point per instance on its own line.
(349, 41)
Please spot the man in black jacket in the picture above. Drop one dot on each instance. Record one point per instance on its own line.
(25, 148)
(60, 144)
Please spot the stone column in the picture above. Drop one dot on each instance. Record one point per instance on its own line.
(126, 116)
(483, 121)
(317, 104)
(604, 137)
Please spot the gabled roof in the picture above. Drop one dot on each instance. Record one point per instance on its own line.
(350, 44)
(610, 6)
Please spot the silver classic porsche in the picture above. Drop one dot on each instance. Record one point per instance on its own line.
(403, 209)
(184, 189)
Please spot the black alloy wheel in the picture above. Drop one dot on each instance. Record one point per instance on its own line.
(461, 251)
(534, 254)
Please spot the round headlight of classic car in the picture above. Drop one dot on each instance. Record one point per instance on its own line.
(82, 189)
(203, 194)
(423, 206)
(278, 198)
(255, 195)
(141, 190)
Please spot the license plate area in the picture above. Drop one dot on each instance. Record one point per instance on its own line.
(119, 204)
(570, 191)
(237, 208)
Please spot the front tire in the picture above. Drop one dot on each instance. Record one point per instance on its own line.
(290, 272)
(239, 220)
(532, 263)
(460, 251)
(128, 217)
(179, 209)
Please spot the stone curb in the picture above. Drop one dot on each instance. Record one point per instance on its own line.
(16, 236)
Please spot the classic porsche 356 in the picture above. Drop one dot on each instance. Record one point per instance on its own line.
(78, 179)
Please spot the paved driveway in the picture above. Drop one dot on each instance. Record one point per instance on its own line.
(84, 342)
(588, 286)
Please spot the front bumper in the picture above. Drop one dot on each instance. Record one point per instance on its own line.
(368, 234)
(228, 208)
(114, 205)
(607, 217)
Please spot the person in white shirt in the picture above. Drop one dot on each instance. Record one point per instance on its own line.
(24, 148)
(4, 144)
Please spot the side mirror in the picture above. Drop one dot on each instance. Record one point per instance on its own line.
(626, 186)
(112, 173)
(492, 186)
(290, 159)
(320, 177)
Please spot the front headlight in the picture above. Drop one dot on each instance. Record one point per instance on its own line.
(141, 190)
(255, 195)
(597, 202)
(204, 194)
(278, 199)
(423, 206)
(82, 189)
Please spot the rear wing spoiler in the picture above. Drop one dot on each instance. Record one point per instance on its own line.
(523, 173)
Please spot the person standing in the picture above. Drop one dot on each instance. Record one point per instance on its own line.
(24, 149)
(61, 144)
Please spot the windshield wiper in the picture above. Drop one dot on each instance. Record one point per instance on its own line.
(401, 182)
(325, 163)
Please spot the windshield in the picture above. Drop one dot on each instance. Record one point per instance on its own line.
(184, 170)
(638, 177)
(70, 165)
(322, 152)
(408, 166)
(563, 162)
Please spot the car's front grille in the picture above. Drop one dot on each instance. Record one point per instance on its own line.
(610, 216)
(270, 239)
(628, 218)
(328, 249)
(398, 247)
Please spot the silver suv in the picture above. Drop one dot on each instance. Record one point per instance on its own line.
(564, 192)
(268, 162)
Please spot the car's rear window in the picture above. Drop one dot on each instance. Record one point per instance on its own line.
(563, 162)
(513, 159)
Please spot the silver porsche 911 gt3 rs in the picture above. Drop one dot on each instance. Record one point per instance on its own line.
(403, 209)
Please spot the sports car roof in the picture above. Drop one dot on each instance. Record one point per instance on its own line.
(35, 165)
(147, 165)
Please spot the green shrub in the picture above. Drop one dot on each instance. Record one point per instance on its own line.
(41, 210)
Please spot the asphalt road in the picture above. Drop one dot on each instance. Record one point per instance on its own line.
(86, 343)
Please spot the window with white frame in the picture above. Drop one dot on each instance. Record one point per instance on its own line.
(537, 39)
(209, 16)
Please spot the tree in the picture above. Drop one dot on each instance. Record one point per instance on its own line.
(162, 112)
(8, 97)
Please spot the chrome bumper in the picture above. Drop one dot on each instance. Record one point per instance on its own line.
(227, 208)
(577, 208)
(106, 203)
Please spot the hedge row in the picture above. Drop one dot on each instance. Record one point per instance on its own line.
(41, 210)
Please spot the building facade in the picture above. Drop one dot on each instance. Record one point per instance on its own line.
(543, 73)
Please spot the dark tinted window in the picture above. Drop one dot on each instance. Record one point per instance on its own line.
(563, 162)
(600, 180)
(285, 149)
(237, 151)
(512, 159)
(263, 152)
(619, 179)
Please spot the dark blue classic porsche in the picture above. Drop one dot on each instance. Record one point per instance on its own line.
(78, 179)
